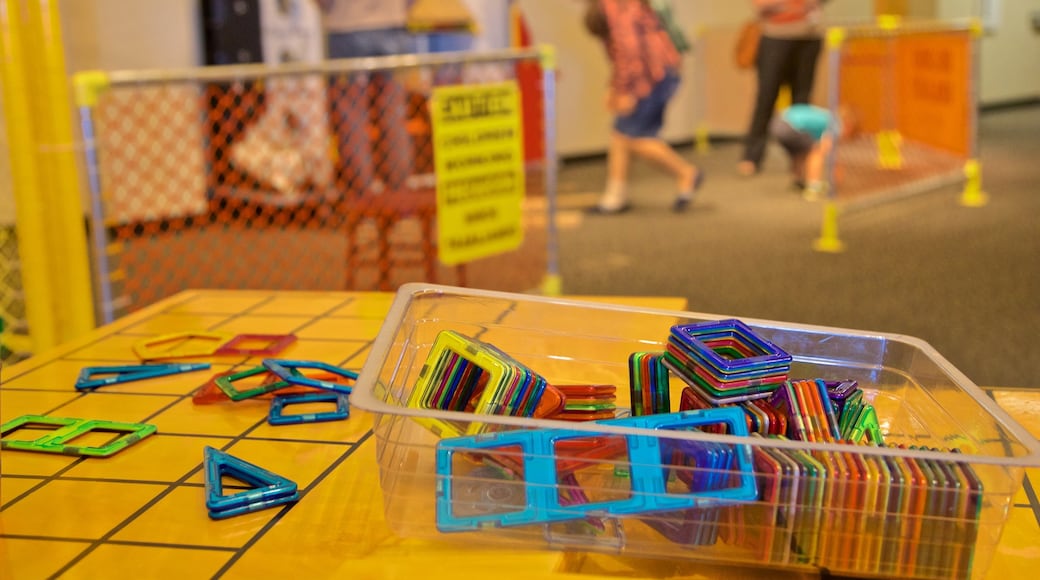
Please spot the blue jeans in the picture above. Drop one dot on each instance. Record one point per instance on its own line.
(370, 98)
(647, 118)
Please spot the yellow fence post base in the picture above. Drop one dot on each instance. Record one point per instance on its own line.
(973, 196)
(890, 150)
(702, 141)
(552, 285)
(828, 241)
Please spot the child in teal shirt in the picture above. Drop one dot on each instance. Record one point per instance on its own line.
(807, 133)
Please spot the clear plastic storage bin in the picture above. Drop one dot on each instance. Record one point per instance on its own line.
(930, 503)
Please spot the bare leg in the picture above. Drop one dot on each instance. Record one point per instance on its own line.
(618, 156)
(615, 196)
(687, 176)
(662, 154)
(817, 157)
(798, 167)
(815, 186)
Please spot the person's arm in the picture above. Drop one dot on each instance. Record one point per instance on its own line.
(625, 52)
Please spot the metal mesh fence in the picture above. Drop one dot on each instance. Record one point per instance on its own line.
(298, 177)
(13, 323)
(907, 93)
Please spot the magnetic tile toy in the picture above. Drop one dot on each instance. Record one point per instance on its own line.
(764, 352)
(725, 360)
(541, 476)
(648, 381)
(59, 440)
(269, 489)
(276, 415)
(284, 370)
(273, 344)
(464, 374)
(587, 402)
(226, 383)
(32, 422)
(180, 345)
(93, 377)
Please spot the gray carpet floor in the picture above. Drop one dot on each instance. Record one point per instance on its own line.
(966, 280)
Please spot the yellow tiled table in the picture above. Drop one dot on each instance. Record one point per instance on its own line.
(140, 513)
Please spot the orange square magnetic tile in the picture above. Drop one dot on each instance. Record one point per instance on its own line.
(347, 430)
(34, 463)
(300, 462)
(124, 561)
(221, 302)
(302, 304)
(221, 419)
(257, 324)
(12, 487)
(113, 349)
(366, 305)
(14, 403)
(342, 329)
(156, 458)
(329, 351)
(35, 558)
(109, 406)
(180, 517)
(77, 509)
(168, 323)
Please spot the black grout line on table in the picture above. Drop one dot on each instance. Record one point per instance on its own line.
(161, 495)
(176, 546)
(167, 311)
(1031, 494)
(281, 513)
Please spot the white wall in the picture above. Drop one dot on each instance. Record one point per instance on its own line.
(121, 34)
(1010, 58)
(131, 34)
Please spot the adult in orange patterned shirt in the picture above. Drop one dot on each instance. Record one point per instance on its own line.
(644, 77)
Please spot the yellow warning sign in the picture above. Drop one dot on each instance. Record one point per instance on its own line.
(479, 159)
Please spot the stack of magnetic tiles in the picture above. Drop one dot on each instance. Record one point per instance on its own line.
(283, 374)
(849, 511)
(725, 361)
(268, 489)
(465, 374)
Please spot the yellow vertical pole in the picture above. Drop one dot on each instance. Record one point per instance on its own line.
(973, 194)
(56, 158)
(829, 240)
(889, 139)
(783, 98)
(552, 285)
(30, 215)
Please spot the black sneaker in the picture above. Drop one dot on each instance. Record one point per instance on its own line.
(600, 210)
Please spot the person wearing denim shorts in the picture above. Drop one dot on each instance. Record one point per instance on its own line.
(644, 77)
